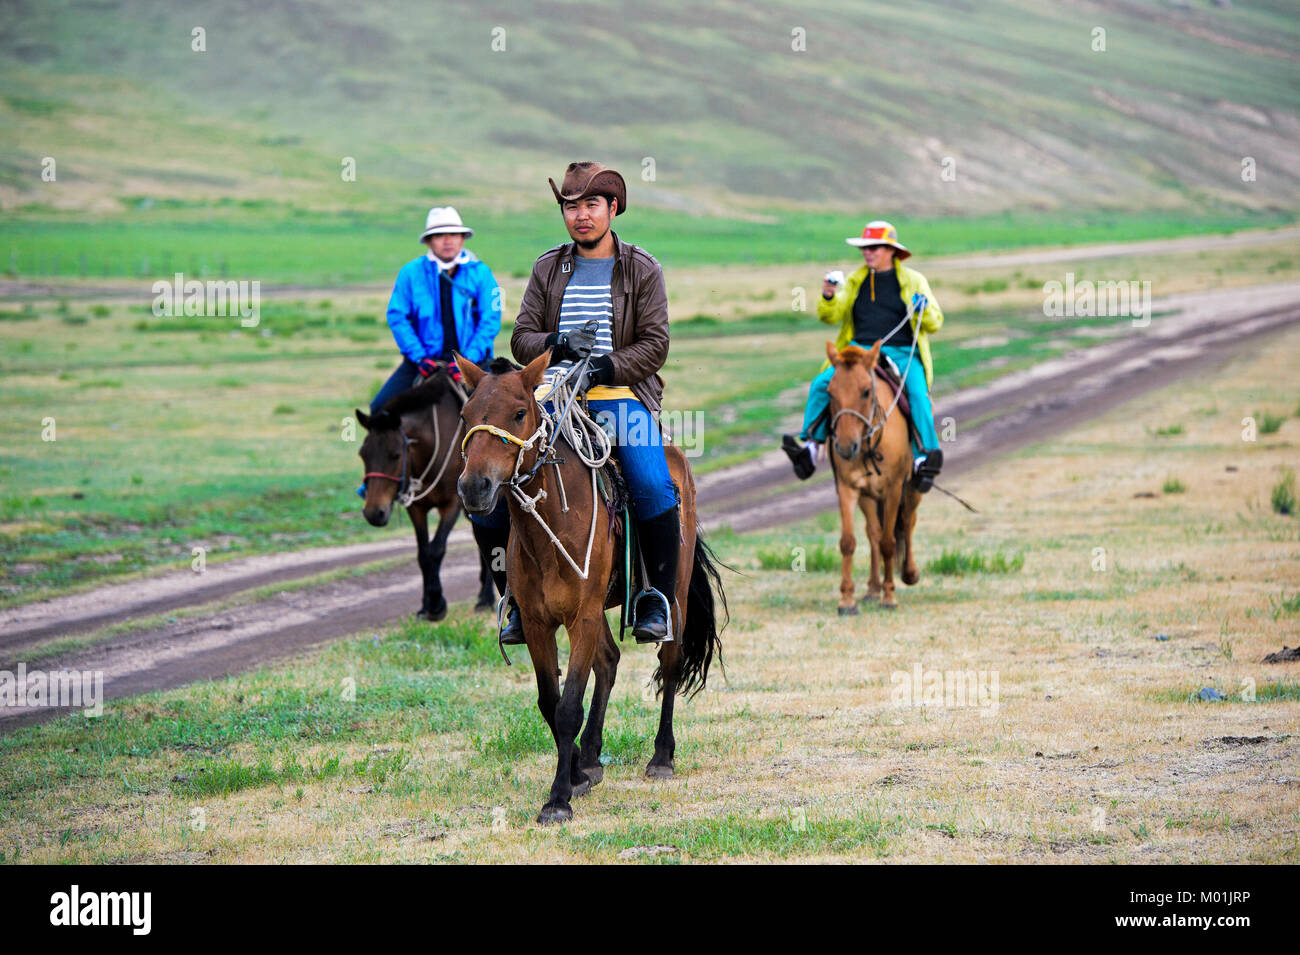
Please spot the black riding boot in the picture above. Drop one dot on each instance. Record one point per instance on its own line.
(661, 544)
(800, 456)
(925, 473)
(488, 540)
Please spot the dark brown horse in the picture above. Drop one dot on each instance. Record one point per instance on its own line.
(504, 438)
(408, 456)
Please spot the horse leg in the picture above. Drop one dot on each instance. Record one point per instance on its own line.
(435, 604)
(419, 515)
(584, 637)
(868, 506)
(670, 654)
(544, 653)
(486, 592)
(911, 500)
(848, 544)
(670, 657)
(888, 545)
(606, 668)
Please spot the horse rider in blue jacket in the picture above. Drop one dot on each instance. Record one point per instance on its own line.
(443, 302)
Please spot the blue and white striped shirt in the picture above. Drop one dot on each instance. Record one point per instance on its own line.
(587, 297)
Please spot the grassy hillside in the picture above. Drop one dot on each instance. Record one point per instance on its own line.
(736, 121)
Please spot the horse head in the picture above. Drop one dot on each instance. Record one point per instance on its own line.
(501, 421)
(851, 391)
(384, 455)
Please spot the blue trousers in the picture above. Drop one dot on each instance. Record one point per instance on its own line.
(638, 446)
(918, 393)
(406, 376)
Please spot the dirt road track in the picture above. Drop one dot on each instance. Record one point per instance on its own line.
(1016, 410)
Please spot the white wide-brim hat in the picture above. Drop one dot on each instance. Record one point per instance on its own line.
(443, 220)
(879, 232)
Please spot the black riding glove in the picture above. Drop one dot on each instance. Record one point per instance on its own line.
(575, 345)
(599, 372)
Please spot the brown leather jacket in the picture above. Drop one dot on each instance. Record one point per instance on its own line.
(640, 316)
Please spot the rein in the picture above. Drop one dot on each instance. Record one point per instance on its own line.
(870, 449)
(580, 431)
(401, 481)
(410, 490)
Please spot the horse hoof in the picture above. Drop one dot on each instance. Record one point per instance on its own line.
(582, 788)
(870, 597)
(595, 774)
(654, 771)
(911, 578)
(433, 616)
(889, 605)
(849, 611)
(550, 815)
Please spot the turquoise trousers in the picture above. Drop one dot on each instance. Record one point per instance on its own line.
(917, 393)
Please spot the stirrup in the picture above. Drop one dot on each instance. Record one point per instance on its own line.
(668, 615)
(503, 611)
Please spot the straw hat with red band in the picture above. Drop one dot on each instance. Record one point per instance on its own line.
(880, 232)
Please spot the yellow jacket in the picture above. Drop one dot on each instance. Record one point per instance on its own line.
(839, 311)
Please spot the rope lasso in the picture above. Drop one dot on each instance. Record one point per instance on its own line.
(588, 439)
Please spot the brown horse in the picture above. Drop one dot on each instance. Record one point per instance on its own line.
(871, 455)
(407, 455)
(504, 439)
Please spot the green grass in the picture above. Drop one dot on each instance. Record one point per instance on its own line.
(413, 678)
(1284, 606)
(1283, 497)
(1276, 691)
(738, 837)
(1269, 423)
(960, 563)
(283, 245)
(1173, 485)
(815, 557)
(1169, 431)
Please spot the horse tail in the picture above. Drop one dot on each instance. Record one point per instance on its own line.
(700, 637)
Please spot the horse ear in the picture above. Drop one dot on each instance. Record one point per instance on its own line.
(472, 372)
(873, 356)
(536, 368)
(362, 418)
(833, 354)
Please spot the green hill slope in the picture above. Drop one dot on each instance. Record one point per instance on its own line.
(736, 120)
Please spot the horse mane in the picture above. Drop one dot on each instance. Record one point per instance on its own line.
(854, 355)
(503, 366)
(424, 395)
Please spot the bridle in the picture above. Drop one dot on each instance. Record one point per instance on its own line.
(403, 479)
(410, 490)
(870, 448)
(544, 438)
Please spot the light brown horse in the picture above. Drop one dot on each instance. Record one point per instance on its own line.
(871, 455)
(503, 439)
(409, 455)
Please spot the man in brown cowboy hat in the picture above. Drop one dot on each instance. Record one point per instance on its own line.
(598, 296)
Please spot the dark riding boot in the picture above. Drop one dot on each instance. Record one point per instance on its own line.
(800, 456)
(488, 540)
(924, 474)
(661, 545)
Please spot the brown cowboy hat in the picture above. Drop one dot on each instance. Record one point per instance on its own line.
(584, 179)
